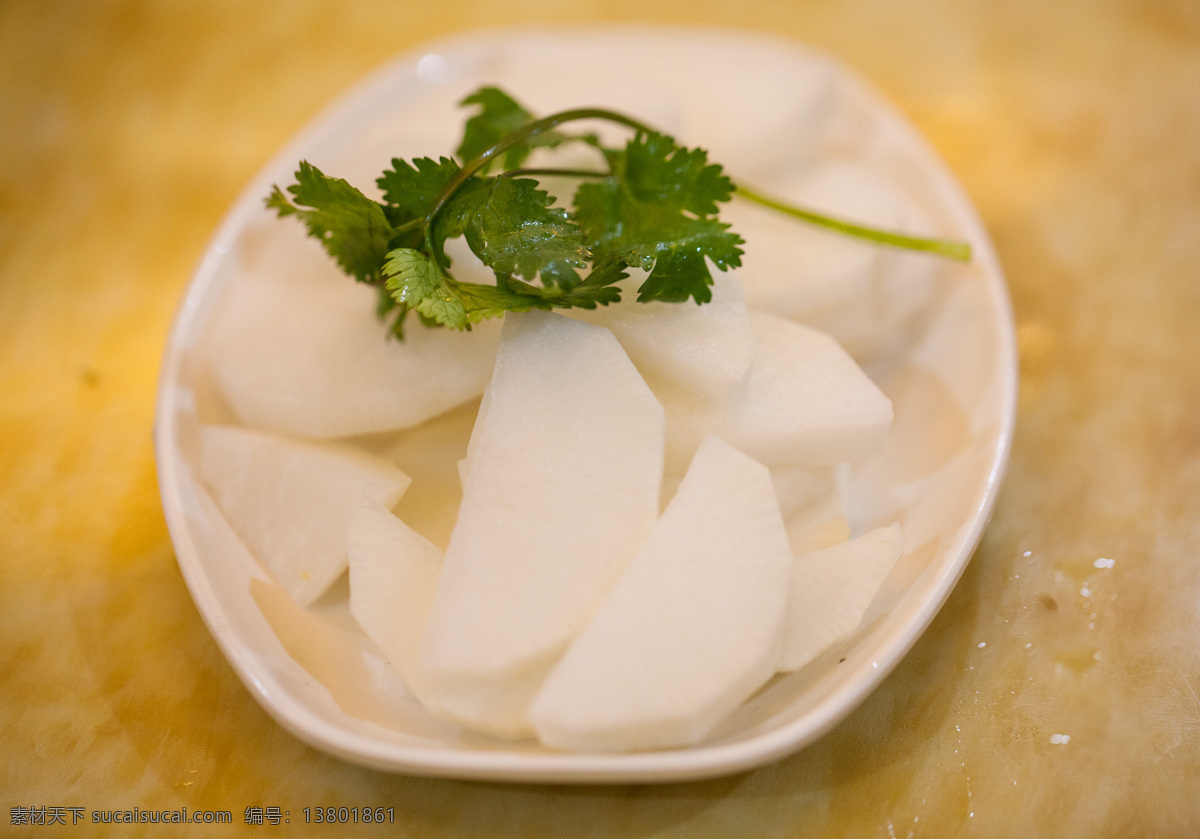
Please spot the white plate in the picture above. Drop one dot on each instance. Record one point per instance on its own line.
(748, 99)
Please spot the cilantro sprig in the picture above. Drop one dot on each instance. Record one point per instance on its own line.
(651, 204)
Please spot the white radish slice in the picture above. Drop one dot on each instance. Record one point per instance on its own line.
(393, 576)
(812, 502)
(831, 590)
(561, 486)
(859, 292)
(346, 376)
(797, 487)
(498, 706)
(815, 528)
(693, 626)
(805, 402)
(428, 454)
(290, 502)
(702, 348)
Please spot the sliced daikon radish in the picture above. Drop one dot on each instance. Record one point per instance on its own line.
(669, 485)
(765, 128)
(859, 292)
(561, 486)
(393, 576)
(815, 528)
(812, 501)
(805, 402)
(497, 706)
(797, 487)
(290, 502)
(831, 590)
(693, 626)
(429, 454)
(702, 348)
(340, 374)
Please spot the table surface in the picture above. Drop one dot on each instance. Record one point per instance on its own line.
(1051, 697)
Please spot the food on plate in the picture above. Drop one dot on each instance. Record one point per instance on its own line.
(831, 589)
(395, 572)
(804, 402)
(291, 501)
(691, 628)
(644, 519)
(561, 486)
(305, 358)
(861, 296)
(651, 204)
(704, 349)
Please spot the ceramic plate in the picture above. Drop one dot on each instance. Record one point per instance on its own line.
(769, 110)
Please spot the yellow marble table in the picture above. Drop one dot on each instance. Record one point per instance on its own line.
(1055, 695)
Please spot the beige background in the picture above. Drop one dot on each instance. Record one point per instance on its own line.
(127, 129)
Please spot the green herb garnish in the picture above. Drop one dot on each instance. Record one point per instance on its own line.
(651, 204)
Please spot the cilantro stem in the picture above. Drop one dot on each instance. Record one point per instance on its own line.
(521, 135)
(943, 247)
(414, 224)
(550, 170)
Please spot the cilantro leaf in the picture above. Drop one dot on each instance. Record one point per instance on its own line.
(598, 289)
(657, 210)
(354, 229)
(410, 189)
(499, 115)
(513, 228)
(660, 171)
(655, 207)
(680, 270)
(459, 211)
(510, 224)
(485, 301)
(417, 282)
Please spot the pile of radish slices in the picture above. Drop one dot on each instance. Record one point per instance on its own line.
(640, 523)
